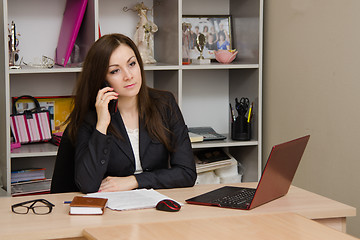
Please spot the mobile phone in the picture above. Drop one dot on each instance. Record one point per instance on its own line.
(112, 103)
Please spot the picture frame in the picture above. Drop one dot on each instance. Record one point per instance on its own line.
(59, 107)
(216, 28)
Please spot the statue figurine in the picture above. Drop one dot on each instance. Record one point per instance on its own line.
(144, 34)
(186, 43)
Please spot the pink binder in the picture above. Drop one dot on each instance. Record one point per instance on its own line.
(73, 16)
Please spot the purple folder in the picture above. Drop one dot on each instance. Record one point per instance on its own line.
(73, 16)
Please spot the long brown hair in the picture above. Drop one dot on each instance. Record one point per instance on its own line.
(93, 76)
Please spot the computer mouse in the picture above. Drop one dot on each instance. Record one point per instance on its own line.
(168, 205)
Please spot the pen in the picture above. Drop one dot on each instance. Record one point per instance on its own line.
(248, 120)
(232, 113)
(67, 202)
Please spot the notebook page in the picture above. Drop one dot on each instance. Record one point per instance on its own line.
(129, 200)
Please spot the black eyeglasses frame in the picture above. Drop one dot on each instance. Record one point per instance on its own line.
(22, 204)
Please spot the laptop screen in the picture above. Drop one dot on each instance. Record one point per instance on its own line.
(279, 171)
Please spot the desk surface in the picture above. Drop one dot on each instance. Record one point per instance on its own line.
(282, 226)
(60, 224)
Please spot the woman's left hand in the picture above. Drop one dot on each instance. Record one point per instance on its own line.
(114, 184)
(103, 99)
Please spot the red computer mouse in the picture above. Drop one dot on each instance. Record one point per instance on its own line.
(168, 205)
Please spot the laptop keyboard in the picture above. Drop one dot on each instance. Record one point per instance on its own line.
(241, 199)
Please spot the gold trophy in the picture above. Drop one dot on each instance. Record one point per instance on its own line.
(200, 44)
(13, 51)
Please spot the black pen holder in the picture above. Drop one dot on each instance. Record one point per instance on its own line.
(241, 129)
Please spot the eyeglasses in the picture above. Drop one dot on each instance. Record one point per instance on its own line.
(38, 206)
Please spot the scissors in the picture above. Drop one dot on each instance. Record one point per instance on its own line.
(242, 106)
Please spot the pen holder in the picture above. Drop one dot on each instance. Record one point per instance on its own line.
(241, 129)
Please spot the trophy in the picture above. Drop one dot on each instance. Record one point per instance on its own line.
(200, 44)
(13, 51)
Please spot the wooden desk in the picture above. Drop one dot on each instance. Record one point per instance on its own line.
(282, 226)
(60, 224)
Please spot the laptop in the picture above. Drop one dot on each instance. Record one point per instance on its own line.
(274, 183)
(208, 133)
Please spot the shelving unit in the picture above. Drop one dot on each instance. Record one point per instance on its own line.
(202, 91)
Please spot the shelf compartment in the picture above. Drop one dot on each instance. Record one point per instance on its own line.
(112, 19)
(29, 19)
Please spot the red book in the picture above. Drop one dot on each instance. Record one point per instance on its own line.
(87, 205)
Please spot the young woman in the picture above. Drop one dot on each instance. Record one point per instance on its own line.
(223, 44)
(141, 140)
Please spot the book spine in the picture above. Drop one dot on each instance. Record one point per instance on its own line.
(29, 170)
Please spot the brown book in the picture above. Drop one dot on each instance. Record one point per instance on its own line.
(87, 205)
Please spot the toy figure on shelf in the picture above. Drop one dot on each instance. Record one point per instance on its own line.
(144, 35)
(186, 43)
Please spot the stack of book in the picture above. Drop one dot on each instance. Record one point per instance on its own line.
(195, 137)
(211, 159)
(56, 138)
(29, 181)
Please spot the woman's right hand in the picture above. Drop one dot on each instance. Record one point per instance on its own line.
(104, 96)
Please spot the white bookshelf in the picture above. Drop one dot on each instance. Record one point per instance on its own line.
(202, 91)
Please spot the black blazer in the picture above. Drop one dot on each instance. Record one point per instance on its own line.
(63, 175)
(98, 156)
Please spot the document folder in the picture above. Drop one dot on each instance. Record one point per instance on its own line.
(73, 16)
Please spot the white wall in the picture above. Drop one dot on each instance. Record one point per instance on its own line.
(311, 86)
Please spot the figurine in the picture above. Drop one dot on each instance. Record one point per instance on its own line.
(186, 43)
(144, 34)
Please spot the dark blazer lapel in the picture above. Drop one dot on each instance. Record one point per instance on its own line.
(125, 144)
(144, 139)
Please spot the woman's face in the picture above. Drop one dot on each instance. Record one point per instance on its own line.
(211, 38)
(124, 73)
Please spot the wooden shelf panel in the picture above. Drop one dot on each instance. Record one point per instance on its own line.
(223, 143)
(59, 69)
(35, 150)
(55, 69)
(48, 149)
(221, 66)
(160, 66)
